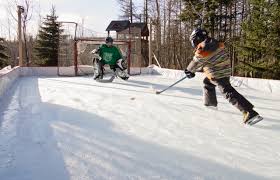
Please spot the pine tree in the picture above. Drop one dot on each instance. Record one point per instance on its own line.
(211, 15)
(48, 41)
(260, 47)
(3, 56)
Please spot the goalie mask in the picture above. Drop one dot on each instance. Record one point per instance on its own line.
(109, 41)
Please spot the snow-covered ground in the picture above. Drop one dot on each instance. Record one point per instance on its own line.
(5, 70)
(54, 128)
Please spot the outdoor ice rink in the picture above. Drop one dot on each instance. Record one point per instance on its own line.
(73, 128)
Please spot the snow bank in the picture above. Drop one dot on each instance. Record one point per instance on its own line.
(172, 73)
(8, 78)
(167, 73)
(5, 70)
(265, 85)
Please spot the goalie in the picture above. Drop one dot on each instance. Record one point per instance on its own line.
(111, 55)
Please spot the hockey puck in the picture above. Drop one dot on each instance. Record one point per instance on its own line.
(133, 98)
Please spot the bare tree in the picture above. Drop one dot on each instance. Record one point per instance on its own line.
(28, 7)
(129, 10)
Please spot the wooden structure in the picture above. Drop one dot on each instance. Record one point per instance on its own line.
(138, 34)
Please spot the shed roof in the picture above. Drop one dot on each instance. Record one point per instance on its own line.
(122, 25)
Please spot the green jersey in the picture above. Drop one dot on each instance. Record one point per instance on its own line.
(109, 55)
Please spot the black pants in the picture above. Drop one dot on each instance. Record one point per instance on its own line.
(228, 92)
(101, 65)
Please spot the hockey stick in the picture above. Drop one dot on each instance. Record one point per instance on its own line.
(158, 92)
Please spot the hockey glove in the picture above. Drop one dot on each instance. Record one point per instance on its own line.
(189, 74)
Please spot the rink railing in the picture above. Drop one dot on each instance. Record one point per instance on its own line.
(9, 77)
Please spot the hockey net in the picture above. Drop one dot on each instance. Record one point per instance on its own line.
(75, 57)
(85, 57)
(66, 49)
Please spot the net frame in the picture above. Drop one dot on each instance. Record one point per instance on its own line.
(66, 48)
(98, 42)
(68, 60)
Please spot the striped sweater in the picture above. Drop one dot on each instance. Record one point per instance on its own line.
(211, 57)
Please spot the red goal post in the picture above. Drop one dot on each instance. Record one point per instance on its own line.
(84, 46)
(81, 61)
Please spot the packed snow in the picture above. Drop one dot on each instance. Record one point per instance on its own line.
(5, 70)
(73, 128)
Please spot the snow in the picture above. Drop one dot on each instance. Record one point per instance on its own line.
(5, 70)
(75, 128)
(7, 79)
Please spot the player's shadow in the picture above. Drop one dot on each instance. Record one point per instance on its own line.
(30, 144)
(95, 141)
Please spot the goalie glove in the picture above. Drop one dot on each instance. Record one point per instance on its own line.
(122, 64)
(95, 53)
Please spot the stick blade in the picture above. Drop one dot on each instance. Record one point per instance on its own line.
(158, 92)
(106, 80)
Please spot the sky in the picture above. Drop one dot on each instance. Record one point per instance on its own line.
(95, 14)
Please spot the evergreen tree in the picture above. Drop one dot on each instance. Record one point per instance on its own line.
(3, 56)
(207, 14)
(48, 40)
(259, 49)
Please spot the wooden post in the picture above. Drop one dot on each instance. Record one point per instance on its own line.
(131, 16)
(76, 57)
(76, 51)
(129, 51)
(20, 10)
(150, 43)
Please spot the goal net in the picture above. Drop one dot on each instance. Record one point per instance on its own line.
(85, 57)
(75, 57)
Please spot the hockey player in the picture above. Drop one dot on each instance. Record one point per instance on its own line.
(211, 57)
(111, 55)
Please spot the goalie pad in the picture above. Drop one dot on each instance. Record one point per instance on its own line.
(97, 69)
(122, 74)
